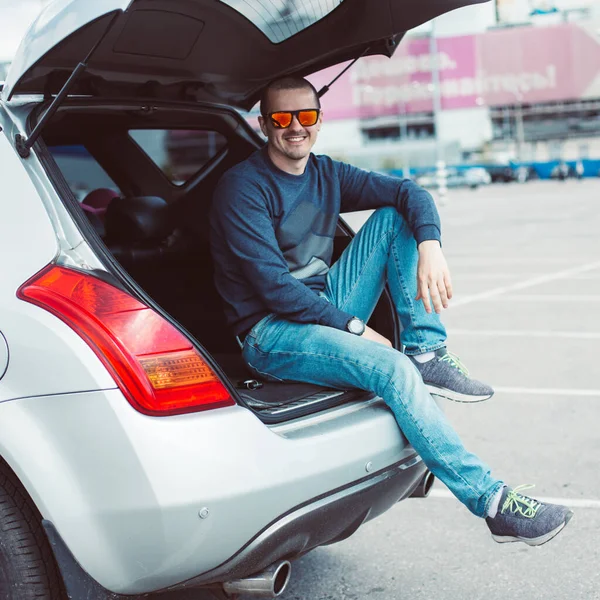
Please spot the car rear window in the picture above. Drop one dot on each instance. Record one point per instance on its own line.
(281, 19)
(81, 170)
(179, 153)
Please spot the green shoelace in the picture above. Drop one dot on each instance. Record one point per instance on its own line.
(518, 504)
(453, 360)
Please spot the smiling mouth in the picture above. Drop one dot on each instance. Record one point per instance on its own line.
(295, 138)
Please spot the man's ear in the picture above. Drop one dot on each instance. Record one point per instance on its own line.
(319, 121)
(263, 125)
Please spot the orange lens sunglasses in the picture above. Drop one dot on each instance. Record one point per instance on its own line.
(283, 119)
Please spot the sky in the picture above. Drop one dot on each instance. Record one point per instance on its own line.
(15, 18)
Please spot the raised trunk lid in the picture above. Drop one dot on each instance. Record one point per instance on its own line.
(222, 51)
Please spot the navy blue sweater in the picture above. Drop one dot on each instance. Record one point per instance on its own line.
(272, 233)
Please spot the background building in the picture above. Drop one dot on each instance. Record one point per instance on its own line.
(510, 80)
(518, 92)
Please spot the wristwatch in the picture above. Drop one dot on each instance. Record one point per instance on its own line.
(355, 326)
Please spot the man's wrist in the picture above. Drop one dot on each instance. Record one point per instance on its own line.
(429, 243)
(355, 326)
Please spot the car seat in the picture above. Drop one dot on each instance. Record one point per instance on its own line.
(172, 265)
(95, 205)
(136, 230)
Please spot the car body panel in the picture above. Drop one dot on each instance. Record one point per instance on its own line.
(70, 367)
(181, 49)
(71, 244)
(22, 209)
(124, 490)
(29, 239)
(3, 355)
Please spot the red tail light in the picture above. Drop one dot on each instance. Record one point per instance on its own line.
(154, 365)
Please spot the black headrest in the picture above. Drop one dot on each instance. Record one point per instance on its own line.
(138, 219)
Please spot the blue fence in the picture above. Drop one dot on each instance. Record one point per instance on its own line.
(591, 167)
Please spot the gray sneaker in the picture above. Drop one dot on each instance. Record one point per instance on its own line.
(447, 377)
(524, 519)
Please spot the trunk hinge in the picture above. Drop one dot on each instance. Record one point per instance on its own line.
(390, 44)
(23, 144)
(325, 88)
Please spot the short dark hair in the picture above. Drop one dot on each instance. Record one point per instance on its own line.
(286, 83)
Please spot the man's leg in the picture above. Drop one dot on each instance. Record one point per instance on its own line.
(322, 355)
(291, 351)
(284, 350)
(385, 250)
(327, 356)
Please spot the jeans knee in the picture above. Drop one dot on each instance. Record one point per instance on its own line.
(390, 219)
(387, 214)
(402, 374)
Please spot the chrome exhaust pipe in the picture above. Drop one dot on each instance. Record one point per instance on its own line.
(424, 487)
(268, 584)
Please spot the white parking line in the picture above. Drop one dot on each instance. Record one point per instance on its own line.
(573, 335)
(571, 502)
(525, 284)
(523, 391)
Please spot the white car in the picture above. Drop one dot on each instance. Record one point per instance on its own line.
(137, 454)
(476, 176)
(471, 177)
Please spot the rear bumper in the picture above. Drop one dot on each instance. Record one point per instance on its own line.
(126, 492)
(322, 521)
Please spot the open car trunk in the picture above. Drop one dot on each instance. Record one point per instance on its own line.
(170, 57)
(148, 220)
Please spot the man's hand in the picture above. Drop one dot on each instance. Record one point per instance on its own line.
(371, 334)
(433, 276)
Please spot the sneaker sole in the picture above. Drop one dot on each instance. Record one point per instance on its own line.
(455, 396)
(538, 541)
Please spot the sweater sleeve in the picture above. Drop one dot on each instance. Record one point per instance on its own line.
(248, 229)
(363, 190)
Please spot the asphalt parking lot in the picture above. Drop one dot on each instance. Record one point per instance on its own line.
(525, 317)
(525, 261)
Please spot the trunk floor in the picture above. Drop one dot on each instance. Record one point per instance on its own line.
(284, 400)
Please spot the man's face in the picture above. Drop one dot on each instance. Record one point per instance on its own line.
(295, 142)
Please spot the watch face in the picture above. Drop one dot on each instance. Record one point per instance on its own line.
(356, 326)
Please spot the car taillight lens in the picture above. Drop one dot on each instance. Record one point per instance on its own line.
(154, 365)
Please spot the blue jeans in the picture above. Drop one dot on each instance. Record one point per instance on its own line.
(383, 251)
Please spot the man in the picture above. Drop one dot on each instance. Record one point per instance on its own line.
(299, 318)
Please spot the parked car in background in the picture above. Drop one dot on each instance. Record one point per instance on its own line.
(471, 177)
(502, 173)
(474, 177)
(137, 454)
(506, 173)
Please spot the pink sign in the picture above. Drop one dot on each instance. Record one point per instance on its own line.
(511, 66)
